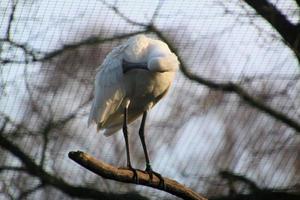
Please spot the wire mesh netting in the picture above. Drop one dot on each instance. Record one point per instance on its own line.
(49, 52)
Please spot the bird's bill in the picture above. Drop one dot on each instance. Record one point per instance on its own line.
(127, 66)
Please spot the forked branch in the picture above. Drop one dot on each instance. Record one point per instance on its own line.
(123, 175)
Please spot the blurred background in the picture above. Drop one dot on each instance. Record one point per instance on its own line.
(211, 140)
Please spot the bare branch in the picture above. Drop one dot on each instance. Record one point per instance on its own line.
(19, 127)
(30, 55)
(11, 19)
(289, 31)
(34, 55)
(236, 177)
(122, 15)
(123, 175)
(45, 136)
(6, 119)
(256, 192)
(10, 61)
(230, 87)
(11, 168)
(57, 124)
(9, 39)
(24, 194)
(156, 11)
(89, 41)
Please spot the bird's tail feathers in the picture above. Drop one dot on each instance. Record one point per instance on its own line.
(92, 115)
(110, 131)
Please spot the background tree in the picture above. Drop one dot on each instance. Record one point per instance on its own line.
(227, 129)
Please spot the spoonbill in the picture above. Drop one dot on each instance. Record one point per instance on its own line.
(131, 80)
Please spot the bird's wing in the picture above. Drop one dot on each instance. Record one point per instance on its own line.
(109, 88)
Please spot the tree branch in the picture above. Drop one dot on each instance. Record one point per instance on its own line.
(122, 15)
(123, 175)
(88, 41)
(26, 193)
(34, 57)
(236, 177)
(156, 11)
(11, 168)
(9, 39)
(256, 192)
(289, 32)
(11, 19)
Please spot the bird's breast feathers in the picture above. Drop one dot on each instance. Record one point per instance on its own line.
(144, 86)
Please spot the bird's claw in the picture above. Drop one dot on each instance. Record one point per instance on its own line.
(134, 171)
(149, 171)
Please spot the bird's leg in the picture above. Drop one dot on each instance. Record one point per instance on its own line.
(125, 133)
(148, 165)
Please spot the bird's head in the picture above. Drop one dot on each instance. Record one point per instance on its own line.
(150, 54)
(160, 57)
(165, 63)
(162, 60)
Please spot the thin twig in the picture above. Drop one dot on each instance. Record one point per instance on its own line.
(26, 193)
(241, 178)
(9, 39)
(11, 19)
(156, 11)
(122, 15)
(24, 47)
(11, 168)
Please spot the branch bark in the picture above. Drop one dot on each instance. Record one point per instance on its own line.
(123, 175)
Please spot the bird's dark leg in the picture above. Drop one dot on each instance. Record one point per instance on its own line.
(148, 165)
(125, 133)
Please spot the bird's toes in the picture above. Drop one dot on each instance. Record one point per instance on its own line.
(134, 171)
(158, 175)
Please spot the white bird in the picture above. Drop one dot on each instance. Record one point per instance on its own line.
(131, 80)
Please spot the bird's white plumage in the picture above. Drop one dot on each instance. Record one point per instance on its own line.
(138, 89)
(109, 87)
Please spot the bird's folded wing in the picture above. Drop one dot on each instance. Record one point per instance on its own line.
(109, 88)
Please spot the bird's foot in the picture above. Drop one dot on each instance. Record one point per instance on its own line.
(149, 171)
(134, 171)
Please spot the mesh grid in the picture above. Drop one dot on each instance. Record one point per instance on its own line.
(192, 134)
